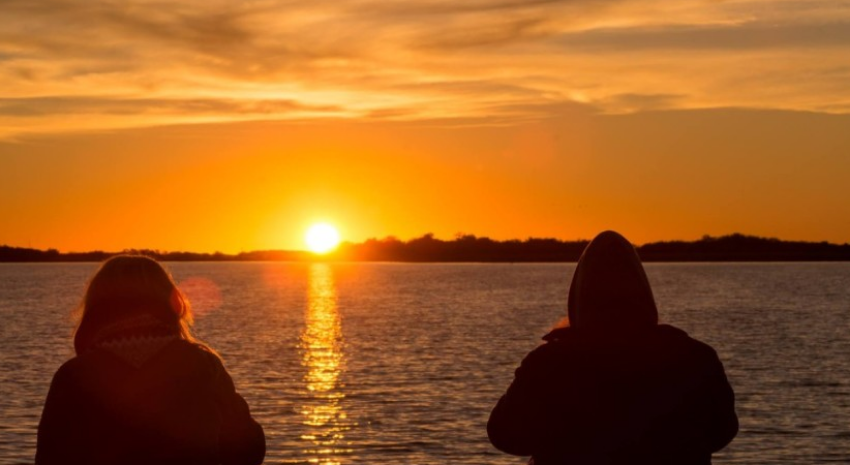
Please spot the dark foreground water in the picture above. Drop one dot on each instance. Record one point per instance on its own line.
(401, 363)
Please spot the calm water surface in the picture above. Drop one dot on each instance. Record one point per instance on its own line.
(401, 363)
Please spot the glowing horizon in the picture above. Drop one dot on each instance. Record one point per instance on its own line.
(235, 126)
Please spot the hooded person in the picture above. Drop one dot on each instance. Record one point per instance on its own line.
(613, 386)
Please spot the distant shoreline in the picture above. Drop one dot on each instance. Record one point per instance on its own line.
(472, 249)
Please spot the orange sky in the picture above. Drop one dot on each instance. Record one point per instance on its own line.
(234, 126)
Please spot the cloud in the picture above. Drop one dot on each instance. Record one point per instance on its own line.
(451, 7)
(625, 103)
(422, 59)
(42, 106)
(731, 38)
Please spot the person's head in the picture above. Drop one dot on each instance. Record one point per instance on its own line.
(127, 293)
(610, 290)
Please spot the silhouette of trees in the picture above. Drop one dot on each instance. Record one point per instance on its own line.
(739, 247)
(471, 248)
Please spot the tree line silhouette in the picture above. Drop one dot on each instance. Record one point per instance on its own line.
(471, 248)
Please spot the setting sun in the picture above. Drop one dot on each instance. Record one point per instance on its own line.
(322, 238)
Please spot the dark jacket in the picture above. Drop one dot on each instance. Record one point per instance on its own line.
(657, 397)
(176, 405)
(615, 387)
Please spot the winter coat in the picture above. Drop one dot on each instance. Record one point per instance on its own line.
(152, 401)
(615, 387)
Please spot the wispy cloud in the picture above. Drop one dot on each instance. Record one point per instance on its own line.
(141, 62)
(729, 38)
(41, 106)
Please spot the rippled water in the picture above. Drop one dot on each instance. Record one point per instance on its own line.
(401, 363)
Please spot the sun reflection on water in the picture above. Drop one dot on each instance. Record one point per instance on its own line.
(325, 422)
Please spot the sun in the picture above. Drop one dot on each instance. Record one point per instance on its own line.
(321, 238)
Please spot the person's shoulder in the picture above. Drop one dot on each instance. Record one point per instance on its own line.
(81, 364)
(205, 357)
(69, 372)
(685, 343)
(70, 367)
(197, 351)
(557, 344)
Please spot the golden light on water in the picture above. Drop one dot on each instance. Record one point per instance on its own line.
(322, 238)
(325, 422)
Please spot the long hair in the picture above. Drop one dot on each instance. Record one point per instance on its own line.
(132, 292)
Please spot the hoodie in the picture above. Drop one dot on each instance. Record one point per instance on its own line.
(615, 387)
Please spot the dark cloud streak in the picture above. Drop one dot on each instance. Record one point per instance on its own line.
(452, 7)
(746, 36)
(483, 36)
(41, 106)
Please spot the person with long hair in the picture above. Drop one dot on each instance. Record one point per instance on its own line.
(612, 386)
(141, 388)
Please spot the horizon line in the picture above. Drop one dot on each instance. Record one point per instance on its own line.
(431, 236)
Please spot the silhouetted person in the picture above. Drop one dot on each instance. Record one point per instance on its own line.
(615, 387)
(142, 389)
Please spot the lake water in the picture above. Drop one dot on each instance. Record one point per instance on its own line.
(401, 363)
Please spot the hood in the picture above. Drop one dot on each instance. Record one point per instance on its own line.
(610, 290)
